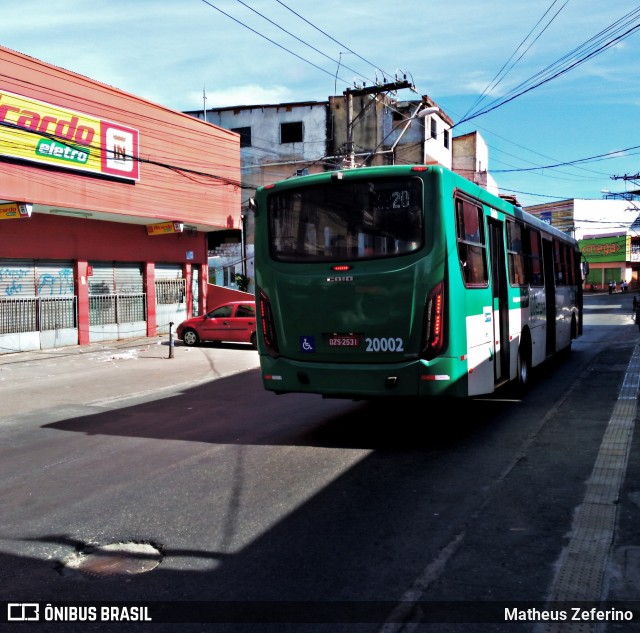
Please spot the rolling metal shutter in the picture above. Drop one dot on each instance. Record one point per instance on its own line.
(128, 279)
(18, 303)
(101, 281)
(17, 278)
(131, 299)
(57, 302)
(36, 295)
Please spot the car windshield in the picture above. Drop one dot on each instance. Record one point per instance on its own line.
(346, 220)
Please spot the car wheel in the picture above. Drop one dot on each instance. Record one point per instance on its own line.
(253, 341)
(190, 338)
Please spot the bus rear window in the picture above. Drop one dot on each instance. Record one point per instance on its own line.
(346, 220)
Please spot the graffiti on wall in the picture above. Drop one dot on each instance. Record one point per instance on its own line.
(60, 284)
(12, 282)
(10, 279)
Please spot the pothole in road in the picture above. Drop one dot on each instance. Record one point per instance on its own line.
(115, 559)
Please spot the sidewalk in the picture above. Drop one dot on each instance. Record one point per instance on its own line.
(113, 370)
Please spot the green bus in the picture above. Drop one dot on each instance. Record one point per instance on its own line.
(407, 280)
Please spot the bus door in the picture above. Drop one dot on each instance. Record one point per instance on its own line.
(500, 300)
(549, 294)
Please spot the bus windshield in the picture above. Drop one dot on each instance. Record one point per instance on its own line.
(356, 219)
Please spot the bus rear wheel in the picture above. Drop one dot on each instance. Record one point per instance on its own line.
(523, 371)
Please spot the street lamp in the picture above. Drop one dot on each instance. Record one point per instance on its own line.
(420, 114)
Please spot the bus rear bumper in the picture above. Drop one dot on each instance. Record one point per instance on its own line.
(410, 378)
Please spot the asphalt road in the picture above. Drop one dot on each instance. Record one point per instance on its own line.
(128, 476)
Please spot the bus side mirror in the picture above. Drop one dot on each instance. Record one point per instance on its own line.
(253, 207)
(585, 269)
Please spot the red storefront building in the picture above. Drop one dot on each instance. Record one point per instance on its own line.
(106, 203)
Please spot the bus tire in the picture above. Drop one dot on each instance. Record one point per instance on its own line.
(523, 368)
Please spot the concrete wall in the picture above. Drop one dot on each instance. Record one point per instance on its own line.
(216, 295)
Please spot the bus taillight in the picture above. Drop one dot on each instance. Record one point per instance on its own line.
(268, 325)
(433, 332)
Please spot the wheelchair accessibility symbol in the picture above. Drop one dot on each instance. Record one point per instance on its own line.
(307, 344)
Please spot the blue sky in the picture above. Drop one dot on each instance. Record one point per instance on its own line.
(585, 54)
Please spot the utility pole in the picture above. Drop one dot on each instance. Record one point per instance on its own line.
(349, 93)
(627, 195)
(625, 177)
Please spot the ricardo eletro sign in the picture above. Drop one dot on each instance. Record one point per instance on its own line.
(37, 131)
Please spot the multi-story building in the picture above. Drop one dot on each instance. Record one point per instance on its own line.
(284, 140)
(471, 160)
(107, 202)
(360, 127)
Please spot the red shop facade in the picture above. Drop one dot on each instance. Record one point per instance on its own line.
(106, 204)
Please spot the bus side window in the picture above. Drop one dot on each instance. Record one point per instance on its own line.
(476, 267)
(534, 255)
(559, 263)
(469, 221)
(571, 277)
(517, 267)
(471, 248)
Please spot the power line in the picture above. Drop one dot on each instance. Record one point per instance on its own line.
(495, 82)
(606, 156)
(294, 36)
(527, 85)
(338, 62)
(272, 41)
(384, 74)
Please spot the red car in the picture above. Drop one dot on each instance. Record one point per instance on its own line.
(234, 321)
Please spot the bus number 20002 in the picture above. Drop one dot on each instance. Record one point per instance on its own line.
(391, 344)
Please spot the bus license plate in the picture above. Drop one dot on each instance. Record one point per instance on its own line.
(344, 340)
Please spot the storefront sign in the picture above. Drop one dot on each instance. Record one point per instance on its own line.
(606, 249)
(163, 228)
(15, 211)
(44, 133)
